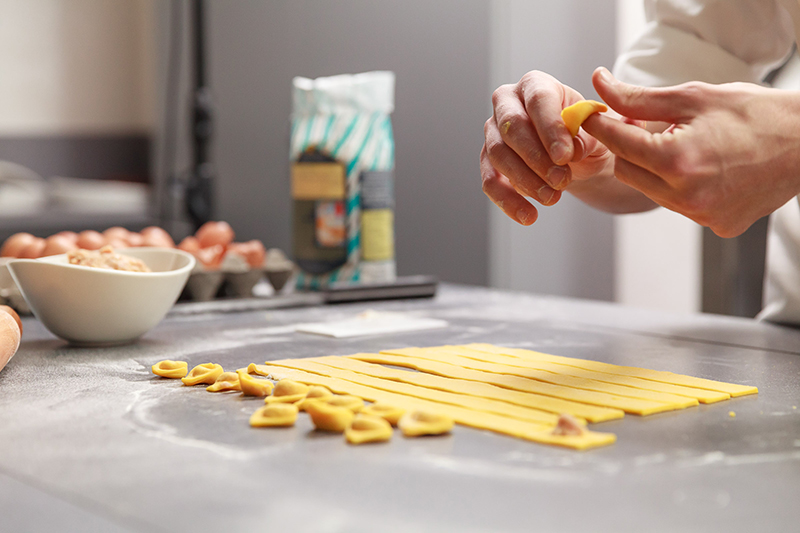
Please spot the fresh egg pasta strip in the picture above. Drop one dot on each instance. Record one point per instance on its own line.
(518, 387)
(653, 375)
(517, 365)
(471, 388)
(470, 402)
(676, 402)
(702, 396)
(479, 420)
(510, 381)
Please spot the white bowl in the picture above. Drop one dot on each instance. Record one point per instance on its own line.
(98, 306)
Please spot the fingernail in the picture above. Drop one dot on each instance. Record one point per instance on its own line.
(506, 126)
(522, 216)
(607, 77)
(560, 152)
(545, 194)
(556, 177)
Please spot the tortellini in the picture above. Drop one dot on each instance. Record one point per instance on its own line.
(328, 417)
(388, 412)
(418, 423)
(274, 415)
(251, 386)
(170, 369)
(205, 373)
(287, 391)
(368, 428)
(227, 381)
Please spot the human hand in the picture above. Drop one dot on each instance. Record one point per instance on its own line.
(730, 156)
(528, 150)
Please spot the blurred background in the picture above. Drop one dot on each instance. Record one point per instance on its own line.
(95, 120)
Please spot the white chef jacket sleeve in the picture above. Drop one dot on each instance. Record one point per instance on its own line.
(715, 41)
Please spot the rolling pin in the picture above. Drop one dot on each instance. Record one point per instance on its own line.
(10, 334)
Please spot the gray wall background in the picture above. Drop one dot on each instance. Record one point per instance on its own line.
(449, 55)
(440, 53)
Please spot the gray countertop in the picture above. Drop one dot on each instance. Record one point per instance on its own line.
(91, 441)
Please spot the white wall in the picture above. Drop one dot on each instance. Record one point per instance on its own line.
(76, 67)
(658, 255)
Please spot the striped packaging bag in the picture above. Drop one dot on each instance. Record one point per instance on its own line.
(342, 154)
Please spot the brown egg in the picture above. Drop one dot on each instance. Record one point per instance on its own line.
(118, 244)
(33, 250)
(253, 251)
(135, 239)
(155, 236)
(212, 233)
(91, 240)
(211, 256)
(58, 244)
(71, 235)
(190, 244)
(15, 244)
(116, 233)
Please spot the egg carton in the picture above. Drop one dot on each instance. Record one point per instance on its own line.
(205, 285)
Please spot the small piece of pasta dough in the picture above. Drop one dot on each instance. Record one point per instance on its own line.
(568, 426)
(388, 412)
(329, 417)
(574, 115)
(368, 428)
(274, 415)
(315, 394)
(251, 386)
(206, 373)
(287, 391)
(227, 381)
(418, 423)
(170, 369)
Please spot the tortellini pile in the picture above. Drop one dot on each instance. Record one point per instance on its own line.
(338, 413)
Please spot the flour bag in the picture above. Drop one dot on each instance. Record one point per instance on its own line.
(342, 167)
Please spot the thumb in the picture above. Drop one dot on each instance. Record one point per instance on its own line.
(664, 104)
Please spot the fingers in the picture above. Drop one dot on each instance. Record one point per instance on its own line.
(644, 181)
(666, 104)
(544, 98)
(653, 152)
(520, 134)
(500, 190)
(583, 146)
(507, 162)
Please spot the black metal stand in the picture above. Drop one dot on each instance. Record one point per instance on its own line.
(200, 184)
